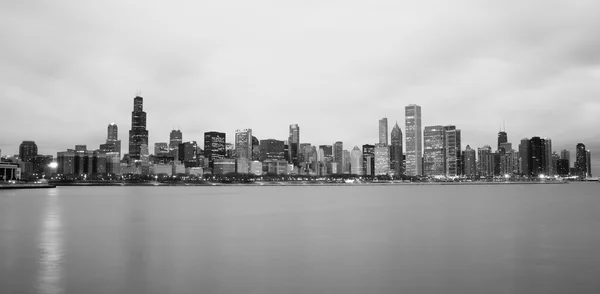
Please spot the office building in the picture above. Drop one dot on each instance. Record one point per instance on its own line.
(161, 148)
(294, 145)
(550, 169)
(485, 161)
(255, 148)
(338, 155)
(396, 157)
(502, 138)
(272, 149)
(243, 143)
(433, 155)
(356, 161)
(452, 149)
(537, 157)
(28, 150)
(369, 159)
(382, 159)
(214, 147)
(524, 157)
(188, 154)
(588, 157)
(414, 145)
(469, 162)
(138, 135)
(383, 131)
(175, 138)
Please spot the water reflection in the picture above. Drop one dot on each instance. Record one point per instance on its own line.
(50, 247)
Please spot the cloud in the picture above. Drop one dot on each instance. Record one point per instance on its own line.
(333, 67)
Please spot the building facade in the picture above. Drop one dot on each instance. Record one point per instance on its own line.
(434, 153)
(138, 135)
(414, 145)
(396, 156)
(243, 143)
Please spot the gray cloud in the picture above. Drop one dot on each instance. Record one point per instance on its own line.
(334, 67)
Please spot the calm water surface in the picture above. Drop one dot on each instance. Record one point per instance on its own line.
(319, 239)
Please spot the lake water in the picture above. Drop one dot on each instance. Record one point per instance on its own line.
(302, 239)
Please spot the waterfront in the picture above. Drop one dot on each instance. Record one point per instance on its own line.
(314, 239)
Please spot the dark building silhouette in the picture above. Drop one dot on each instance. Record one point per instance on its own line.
(368, 159)
(188, 154)
(469, 162)
(537, 156)
(138, 135)
(214, 147)
(581, 160)
(272, 149)
(28, 150)
(562, 167)
(502, 138)
(255, 148)
(524, 157)
(396, 150)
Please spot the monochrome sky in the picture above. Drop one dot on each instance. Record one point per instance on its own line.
(68, 69)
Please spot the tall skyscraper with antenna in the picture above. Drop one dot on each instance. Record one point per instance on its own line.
(138, 135)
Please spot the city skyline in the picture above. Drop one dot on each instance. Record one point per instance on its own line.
(534, 71)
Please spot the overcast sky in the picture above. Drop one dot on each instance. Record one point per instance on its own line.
(68, 69)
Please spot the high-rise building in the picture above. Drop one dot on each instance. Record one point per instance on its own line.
(383, 131)
(369, 159)
(188, 154)
(433, 156)
(581, 160)
(138, 135)
(255, 149)
(175, 138)
(565, 154)
(485, 161)
(562, 167)
(537, 156)
(356, 161)
(414, 145)
(524, 157)
(548, 149)
(338, 154)
(28, 150)
(396, 150)
(502, 138)
(243, 143)
(469, 162)
(452, 149)
(294, 144)
(382, 159)
(113, 144)
(272, 149)
(214, 147)
(588, 159)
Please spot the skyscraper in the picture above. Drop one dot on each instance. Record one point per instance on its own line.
(537, 156)
(175, 138)
(469, 162)
(383, 131)
(581, 160)
(382, 159)
(243, 143)
(28, 150)
(356, 161)
(588, 159)
(294, 144)
(113, 144)
(485, 161)
(188, 154)
(524, 157)
(396, 150)
(452, 149)
(548, 153)
(502, 138)
(272, 149)
(368, 159)
(433, 156)
(414, 145)
(338, 154)
(214, 147)
(138, 135)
